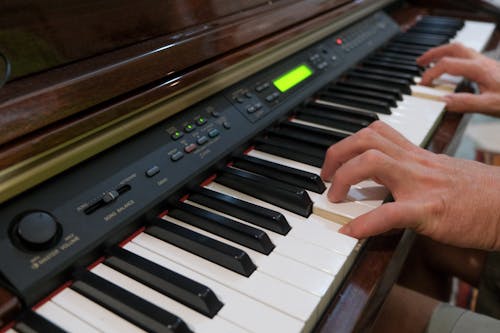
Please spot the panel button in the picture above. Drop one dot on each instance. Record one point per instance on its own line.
(189, 128)
(226, 124)
(177, 156)
(251, 109)
(201, 121)
(37, 230)
(239, 100)
(177, 135)
(270, 98)
(258, 106)
(213, 133)
(152, 171)
(202, 140)
(215, 114)
(110, 196)
(190, 148)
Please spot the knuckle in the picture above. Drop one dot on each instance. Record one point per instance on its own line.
(365, 136)
(371, 156)
(379, 126)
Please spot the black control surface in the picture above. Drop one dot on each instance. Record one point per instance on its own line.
(60, 223)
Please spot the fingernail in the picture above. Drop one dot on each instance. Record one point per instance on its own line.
(346, 229)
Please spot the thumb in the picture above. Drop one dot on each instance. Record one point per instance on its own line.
(384, 218)
(466, 102)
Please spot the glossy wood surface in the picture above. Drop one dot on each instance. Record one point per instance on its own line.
(377, 268)
(9, 306)
(28, 106)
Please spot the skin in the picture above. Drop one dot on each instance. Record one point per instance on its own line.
(450, 200)
(454, 203)
(456, 59)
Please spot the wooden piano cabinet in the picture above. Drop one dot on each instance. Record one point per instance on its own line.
(378, 266)
(9, 306)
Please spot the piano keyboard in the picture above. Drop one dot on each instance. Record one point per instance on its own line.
(255, 248)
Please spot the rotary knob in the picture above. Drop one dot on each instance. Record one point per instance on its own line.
(37, 230)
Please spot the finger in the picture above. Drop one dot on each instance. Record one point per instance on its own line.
(372, 164)
(455, 50)
(465, 102)
(389, 216)
(468, 68)
(366, 139)
(392, 135)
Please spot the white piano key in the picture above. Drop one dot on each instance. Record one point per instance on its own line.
(195, 321)
(292, 301)
(92, 312)
(282, 268)
(475, 34)
(428, 92)
(238, 308)
(360, 200)
(284, 161)
(415, 118)
(11, 330)
(64, 319)
(298, 249)
(313, 229)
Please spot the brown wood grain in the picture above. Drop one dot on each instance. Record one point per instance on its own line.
(31, 103)
(10, 306)
(48, 117)
(355, 306)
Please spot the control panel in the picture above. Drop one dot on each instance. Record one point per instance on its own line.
(53, 226)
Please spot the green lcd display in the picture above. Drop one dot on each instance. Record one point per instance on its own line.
(292, 78)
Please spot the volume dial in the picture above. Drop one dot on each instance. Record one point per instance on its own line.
(37, 230)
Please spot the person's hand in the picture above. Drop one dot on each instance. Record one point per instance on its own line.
(456, 59)
(450, 200)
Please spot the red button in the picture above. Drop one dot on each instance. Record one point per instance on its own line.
(339, 41)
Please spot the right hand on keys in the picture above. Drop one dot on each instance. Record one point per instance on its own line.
(453, 201)
(456, 59)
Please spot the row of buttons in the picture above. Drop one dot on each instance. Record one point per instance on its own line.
(272, 97)
(241, 99)
(253, 108)
(199, 142)
(188, 128)
(262, 87)
(318, 61)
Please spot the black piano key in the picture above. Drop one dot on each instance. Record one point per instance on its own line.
(368, 104)
(393, 67)
(416, 36)
(234, 231)
(313, 135)
(399, 56)
(211, 249)
(417, 49)
(337, 117)
(299, 178)
(441, 21)
(263, 217)
(388, 98)
(395, 60)
(396, 93)
(299, 146)
(276, 193)
(441, 31)
(32, 322)
(384, 71)
(184, 290)
(289, 153)
(403, 50)
(422, 40)
(402, 85)
(127, 305)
